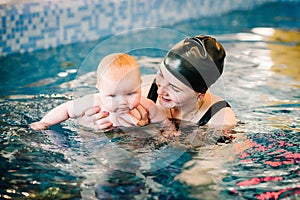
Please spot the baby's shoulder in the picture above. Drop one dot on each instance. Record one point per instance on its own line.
(90, 99)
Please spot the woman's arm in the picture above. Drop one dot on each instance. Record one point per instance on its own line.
(155, 112)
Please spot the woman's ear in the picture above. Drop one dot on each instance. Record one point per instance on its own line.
(200, 96)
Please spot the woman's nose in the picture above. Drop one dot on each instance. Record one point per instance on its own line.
(161, 90)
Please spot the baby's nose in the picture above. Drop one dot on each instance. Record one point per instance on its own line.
(123, 100)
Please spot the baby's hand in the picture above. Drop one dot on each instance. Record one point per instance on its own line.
(39, 125)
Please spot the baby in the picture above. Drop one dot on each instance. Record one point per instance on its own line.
(119, 85)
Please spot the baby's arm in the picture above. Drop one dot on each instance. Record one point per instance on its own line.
(65, 111)
(55, 116)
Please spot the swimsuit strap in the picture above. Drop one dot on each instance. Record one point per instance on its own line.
(216, 107)
(153, 92)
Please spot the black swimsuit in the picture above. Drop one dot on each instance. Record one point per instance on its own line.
(216, 107)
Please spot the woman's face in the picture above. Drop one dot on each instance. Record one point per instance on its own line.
(172, 92)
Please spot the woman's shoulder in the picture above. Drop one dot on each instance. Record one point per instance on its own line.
(224, 116)
(214, 98)
(224, 119)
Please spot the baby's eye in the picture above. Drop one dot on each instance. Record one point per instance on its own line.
(130, 93)
(111, 95)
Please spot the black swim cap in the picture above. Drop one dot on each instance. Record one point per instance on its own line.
(196, 61)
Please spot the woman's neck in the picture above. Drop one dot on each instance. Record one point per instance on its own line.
(191, 111)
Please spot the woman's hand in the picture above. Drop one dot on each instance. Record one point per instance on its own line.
(95, 119)
(139, 115)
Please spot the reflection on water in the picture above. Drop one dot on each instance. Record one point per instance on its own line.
(286, 56)
(259, 159)
(269, 168)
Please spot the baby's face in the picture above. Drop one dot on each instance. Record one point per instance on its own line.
(120, 96)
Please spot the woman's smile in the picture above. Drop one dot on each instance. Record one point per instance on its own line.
(166, 99)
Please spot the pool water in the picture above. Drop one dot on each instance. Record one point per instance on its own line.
(261, 81)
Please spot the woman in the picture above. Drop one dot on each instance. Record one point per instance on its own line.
(181, 87)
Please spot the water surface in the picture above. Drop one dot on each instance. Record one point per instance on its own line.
(261, 82)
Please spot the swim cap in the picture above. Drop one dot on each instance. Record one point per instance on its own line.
(196, 61)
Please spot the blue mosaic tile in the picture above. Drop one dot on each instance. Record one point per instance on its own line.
(85, 20)
(6, 49)
(28, 46)
(35, 38)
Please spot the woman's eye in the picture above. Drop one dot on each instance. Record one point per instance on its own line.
(176, 89)
(160, 74)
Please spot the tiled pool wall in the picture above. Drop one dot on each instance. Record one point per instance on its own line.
(27, 25)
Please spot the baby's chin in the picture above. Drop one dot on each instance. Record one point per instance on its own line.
(116, 111)
(122, 111)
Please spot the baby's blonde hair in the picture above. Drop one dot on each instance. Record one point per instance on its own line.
(116, 66)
